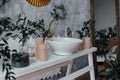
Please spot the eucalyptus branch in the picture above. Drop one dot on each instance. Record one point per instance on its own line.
(5, 53)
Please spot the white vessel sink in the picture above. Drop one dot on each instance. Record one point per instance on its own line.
(63, 46)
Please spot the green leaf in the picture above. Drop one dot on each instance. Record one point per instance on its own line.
(13, 78)
(5, 59)
(1, 30)
(14, 50)
(1, 44)
(4, 41)
(7, 74)
(109, 69)
(11, 73)
(3, 67)
(45, 35)
(8, 34)
(110, 63)
(8, 64)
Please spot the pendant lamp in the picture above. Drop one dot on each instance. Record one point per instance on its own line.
(38, 3)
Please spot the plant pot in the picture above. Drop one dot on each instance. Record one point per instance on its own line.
(20, 59)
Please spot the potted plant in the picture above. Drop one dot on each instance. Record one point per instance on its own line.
(23, 28)
(21, 57)
(26, 29)
(85, 33)
(7, 29)
(112, 72)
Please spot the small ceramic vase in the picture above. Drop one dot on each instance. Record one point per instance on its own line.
(87, 43)
(38, 42)
(41, 50)
(43, 53)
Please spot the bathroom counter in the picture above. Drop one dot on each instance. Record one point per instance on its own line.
(54, 61)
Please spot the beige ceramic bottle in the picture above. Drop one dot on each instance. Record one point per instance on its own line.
(41, 50)
(38, 42)
(87, 43)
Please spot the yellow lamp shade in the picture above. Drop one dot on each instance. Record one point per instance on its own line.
(38, 3)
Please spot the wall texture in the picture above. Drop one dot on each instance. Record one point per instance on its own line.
(77, 12)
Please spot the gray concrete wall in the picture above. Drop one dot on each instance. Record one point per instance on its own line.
(77, 12)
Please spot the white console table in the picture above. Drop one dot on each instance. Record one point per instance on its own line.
(36, 68)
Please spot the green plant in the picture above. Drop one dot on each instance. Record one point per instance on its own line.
(5, 27)
(29, 28)
(59, 12)
(23, 28)
(86, 29)
(80, 32)
(10, 29)
(113, 70)
(5, 56)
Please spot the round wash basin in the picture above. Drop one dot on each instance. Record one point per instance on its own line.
(63, 46)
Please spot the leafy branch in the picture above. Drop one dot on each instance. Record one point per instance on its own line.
(113, 70)
(23, 28)
(5, 56)
(86, 29)
(29, 28)
(59, 12)
(5, 27)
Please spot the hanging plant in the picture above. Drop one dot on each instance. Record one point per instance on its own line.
(59, 12)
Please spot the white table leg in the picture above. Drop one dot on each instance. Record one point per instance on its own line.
(92, 73)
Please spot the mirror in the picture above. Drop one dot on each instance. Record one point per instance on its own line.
(105, 15)
(105, 27)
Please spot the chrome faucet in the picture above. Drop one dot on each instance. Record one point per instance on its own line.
(49, 34)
